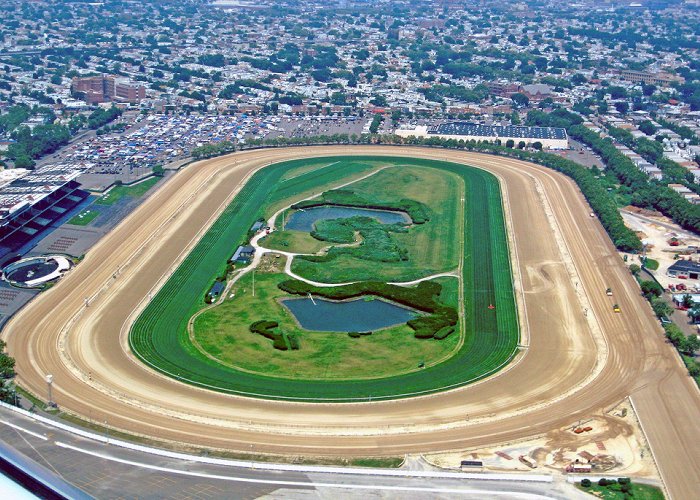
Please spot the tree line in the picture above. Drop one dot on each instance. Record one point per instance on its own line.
(646, 193)
(592, 188)
(7, 373)
(653, 152)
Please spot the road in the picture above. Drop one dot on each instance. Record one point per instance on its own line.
(581, 357)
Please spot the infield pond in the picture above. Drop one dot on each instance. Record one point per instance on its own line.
(304, 220)
(359, 315)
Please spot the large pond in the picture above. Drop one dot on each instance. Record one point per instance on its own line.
(357, 315)
(304, 220)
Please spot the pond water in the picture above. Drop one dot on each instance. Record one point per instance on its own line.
(304, 220)
(356, 315)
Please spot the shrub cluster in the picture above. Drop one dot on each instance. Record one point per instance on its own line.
(357, 335)
(443, 332)
(266, 327)
(213, 149)
(335, 230)
(377, 245)
(422, 297)
(294, 343)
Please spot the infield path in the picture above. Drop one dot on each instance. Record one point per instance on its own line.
(579, 357)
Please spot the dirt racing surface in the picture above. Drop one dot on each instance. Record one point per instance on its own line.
(579, 358)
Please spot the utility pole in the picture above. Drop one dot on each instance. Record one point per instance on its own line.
(49, 382)
(253, 282)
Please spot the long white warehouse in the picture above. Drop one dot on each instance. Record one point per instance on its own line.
(549, 137)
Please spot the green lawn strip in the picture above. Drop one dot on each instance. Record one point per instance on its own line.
(36, 402)
(693, 367)
(651, 264)
(384, 463)
(638, 491)
(85, 217)
(326, 176)
(311, 165)
(507, 320)
(293, 241)
(119, 192)
(159, 335)
(224, 332)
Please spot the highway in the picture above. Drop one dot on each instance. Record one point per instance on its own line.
(580, 359)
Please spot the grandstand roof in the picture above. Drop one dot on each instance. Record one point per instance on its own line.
(477, 130)
(33, 187)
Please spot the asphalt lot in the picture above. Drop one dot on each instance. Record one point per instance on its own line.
(299, 127)
(12, 299)
(582, 155)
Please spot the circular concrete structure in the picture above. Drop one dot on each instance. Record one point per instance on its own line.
(35, 271)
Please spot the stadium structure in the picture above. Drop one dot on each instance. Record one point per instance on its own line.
(31, 204)
(549, 137)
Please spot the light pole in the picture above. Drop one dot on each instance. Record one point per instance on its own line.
(253, 282)
(49, 382)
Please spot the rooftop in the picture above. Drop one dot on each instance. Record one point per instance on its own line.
(685, 265)
(34, 186)
(477, 130)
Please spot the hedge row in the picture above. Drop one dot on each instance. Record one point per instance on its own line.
(417, 211)
(444, 332)
(422, 297)
(647, 193)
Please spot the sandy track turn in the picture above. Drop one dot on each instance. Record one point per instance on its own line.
(577, 364)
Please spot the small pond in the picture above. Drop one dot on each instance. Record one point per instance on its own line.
(357, 315)
(304, 220)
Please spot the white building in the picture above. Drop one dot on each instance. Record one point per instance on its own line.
(549, 137)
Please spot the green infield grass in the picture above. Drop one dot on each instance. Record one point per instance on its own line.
(488, 340)
(85, 217)
(303, 169)
(432, 247)
(318, 175)
(222, 332)
(118, 192)
(293, 241)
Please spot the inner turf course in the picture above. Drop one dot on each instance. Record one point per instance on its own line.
(159, 336)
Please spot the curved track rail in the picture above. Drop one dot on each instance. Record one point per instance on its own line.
(580, 358)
